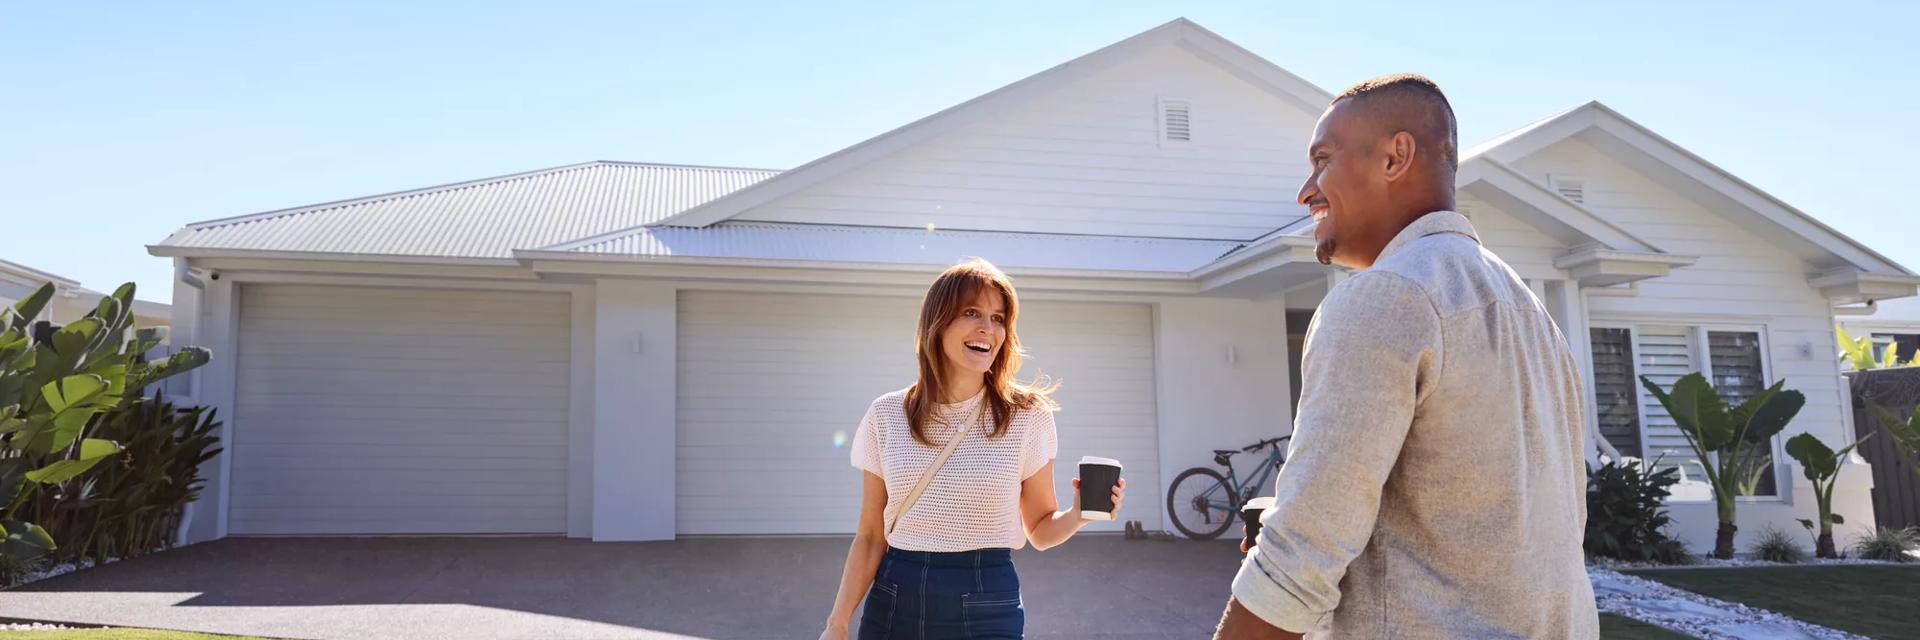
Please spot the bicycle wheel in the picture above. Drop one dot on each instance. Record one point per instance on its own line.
(1201, 503)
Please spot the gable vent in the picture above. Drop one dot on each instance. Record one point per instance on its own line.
(1176, 120)
(1571, 188)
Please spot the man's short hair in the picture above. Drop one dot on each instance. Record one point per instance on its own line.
(1414, 102)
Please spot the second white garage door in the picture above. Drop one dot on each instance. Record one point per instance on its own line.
(379, 411)
(771, 387)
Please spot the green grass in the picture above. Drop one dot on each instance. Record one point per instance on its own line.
(1614, 627)
(1876, 601)
(114, 634)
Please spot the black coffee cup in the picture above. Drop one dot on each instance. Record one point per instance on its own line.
(1097, 478)
(1250, 514)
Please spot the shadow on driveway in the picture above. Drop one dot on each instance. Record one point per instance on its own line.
(1095, 586)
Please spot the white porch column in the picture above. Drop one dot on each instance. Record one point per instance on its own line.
(1221, 369)
(218, 314)
(635, 326)
(1567, 304)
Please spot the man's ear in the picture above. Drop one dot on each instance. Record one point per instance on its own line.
(1400, 153)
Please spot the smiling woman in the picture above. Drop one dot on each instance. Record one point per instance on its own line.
(971, 446)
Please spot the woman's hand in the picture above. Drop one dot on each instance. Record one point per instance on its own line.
(835, 631)
(1119, 496)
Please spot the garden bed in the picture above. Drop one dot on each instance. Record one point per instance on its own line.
(1877, 601)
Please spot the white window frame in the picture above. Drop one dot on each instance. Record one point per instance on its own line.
(1698, 349)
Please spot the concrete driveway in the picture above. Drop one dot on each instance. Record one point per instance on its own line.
(1096, 586)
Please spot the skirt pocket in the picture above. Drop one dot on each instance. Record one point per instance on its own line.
(876, 621)
(993, 614)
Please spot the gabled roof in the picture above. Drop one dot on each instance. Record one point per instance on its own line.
(23, 274)
(1205, 44)
(486, 218)
(763, 242)
(1628, 141)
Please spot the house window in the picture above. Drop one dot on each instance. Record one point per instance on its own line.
(1615, 390)
(1632, 419)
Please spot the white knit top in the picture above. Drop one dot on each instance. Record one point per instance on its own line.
(974, 500)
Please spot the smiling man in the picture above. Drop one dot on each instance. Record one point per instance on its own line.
(1434, 487)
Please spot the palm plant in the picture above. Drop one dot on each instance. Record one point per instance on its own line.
(52, 393)
(1821, 465)
(1731, 443)
(1859, 353)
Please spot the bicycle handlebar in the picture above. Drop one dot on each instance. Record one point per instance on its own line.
(1257, 445)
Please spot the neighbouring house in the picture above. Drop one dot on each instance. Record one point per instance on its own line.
(70, 300)
(1894, 324)
(630, 351)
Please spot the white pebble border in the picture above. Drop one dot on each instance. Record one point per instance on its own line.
(1704, 562)
(1625, 605)
(36, 626)
(59, 570)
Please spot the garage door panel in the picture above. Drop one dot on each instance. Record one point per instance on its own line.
(379, 411)
(767, 382)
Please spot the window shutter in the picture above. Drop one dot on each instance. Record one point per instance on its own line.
(1738, 375)
(1666, 354)
(1615, 390)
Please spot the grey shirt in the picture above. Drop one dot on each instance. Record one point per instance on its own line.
(1434, 487)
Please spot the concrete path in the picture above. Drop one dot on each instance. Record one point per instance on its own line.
(1096, 586)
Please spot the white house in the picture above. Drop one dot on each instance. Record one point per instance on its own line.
(70, 300)
(625, 351)
(1890, 325)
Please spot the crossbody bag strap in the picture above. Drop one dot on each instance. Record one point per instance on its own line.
(927, 478)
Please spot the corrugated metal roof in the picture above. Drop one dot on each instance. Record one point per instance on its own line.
(775, 241)
(486, 218)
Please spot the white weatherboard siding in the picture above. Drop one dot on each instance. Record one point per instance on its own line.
(772, 386)
(1086, 159)
(1528, 250)
(368, 411)
(1741, 279)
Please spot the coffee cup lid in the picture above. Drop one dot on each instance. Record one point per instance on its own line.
(1099, 460)
(1265, 502)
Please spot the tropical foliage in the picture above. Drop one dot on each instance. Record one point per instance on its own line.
(53, 394)
(1625, 520)
(1858, 352)
(1731, 443)
(1821, 465)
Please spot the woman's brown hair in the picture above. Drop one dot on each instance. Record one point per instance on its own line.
(950, 293)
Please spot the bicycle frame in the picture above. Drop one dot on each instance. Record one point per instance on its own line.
(1260, 475)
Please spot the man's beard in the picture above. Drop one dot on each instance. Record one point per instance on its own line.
(1323, 251)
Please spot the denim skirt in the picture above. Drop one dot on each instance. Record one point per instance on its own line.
(923, 595)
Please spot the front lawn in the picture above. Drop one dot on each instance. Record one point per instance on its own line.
(113, 634)
(1614, 627)
(1877, 601)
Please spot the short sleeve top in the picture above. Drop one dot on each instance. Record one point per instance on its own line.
(974, 500)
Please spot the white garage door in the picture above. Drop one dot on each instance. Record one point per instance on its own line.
(371, 411)
(771, 388)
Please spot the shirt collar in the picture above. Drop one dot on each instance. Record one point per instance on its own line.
(1434, 223)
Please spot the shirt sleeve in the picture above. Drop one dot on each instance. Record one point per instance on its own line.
(866, 443)
(1372, 354)
(1042, 443)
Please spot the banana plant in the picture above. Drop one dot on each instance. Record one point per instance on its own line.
(1730, 443)
(52, 393)
(1821, 465)
(1859, 353)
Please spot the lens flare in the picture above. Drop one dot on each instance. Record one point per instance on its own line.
(839, 439)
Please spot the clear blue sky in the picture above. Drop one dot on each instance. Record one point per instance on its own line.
(124, 121)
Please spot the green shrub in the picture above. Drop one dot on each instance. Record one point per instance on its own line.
(1624, 515)
(1673, 551)
(52, 395)
(133, 505)
(1775, 545)
(1893, 545)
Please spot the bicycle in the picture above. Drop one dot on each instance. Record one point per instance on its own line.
(1197, 492)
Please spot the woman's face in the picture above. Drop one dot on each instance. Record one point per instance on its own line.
(973, 339)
